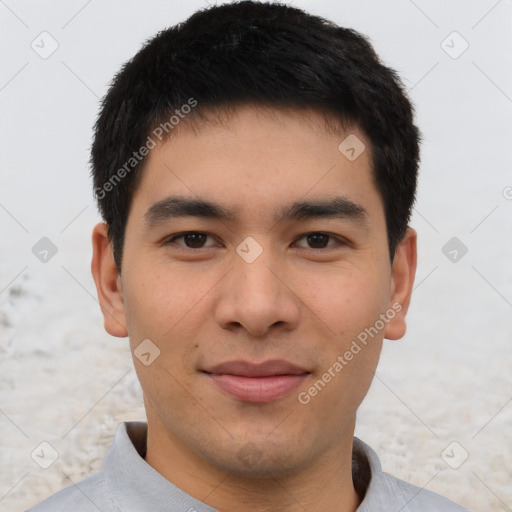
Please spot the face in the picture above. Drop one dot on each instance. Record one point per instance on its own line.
(256, 262)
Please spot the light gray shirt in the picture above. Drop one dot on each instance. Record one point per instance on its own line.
(128, 484)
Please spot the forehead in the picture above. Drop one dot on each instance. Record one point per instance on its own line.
(256, 160)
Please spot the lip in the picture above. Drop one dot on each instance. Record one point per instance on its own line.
(257, 382)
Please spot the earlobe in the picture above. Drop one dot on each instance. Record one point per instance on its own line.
(403, 271)
(108, 283)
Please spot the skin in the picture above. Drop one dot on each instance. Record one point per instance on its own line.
(204, 306)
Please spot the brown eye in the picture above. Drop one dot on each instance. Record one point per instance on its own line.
(194, 240)
(319, 240)
(191, 240)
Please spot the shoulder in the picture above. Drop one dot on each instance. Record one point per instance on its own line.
(417, 499)
(87, 495)
(384, 492)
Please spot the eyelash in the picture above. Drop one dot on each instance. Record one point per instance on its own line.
(340, 241)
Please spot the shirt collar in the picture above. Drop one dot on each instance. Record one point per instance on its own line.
(134, 485)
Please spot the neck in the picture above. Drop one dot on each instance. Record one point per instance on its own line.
(325, 485)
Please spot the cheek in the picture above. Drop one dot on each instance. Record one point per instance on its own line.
(346, 301)
(158, 303)
(349, 302)
(165, 307)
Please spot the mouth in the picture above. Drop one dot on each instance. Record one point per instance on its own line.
(257, 383)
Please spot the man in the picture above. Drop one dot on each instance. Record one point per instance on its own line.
(256, 168)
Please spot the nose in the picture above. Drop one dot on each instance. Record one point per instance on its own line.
(257, 296)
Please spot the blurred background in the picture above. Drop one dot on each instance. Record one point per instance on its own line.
(439, 412)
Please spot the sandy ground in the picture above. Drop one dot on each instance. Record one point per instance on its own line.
(64, 381)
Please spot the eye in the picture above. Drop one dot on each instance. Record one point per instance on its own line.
(320, 240)
(191, 239)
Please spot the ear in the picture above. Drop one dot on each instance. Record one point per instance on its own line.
(108, 283)
(403, 271)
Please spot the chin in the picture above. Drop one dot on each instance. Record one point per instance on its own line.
(260, 461)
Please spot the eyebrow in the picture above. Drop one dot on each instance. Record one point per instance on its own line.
(337, 207)
(176, 207)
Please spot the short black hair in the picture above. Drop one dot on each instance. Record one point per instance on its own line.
(266, 54)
